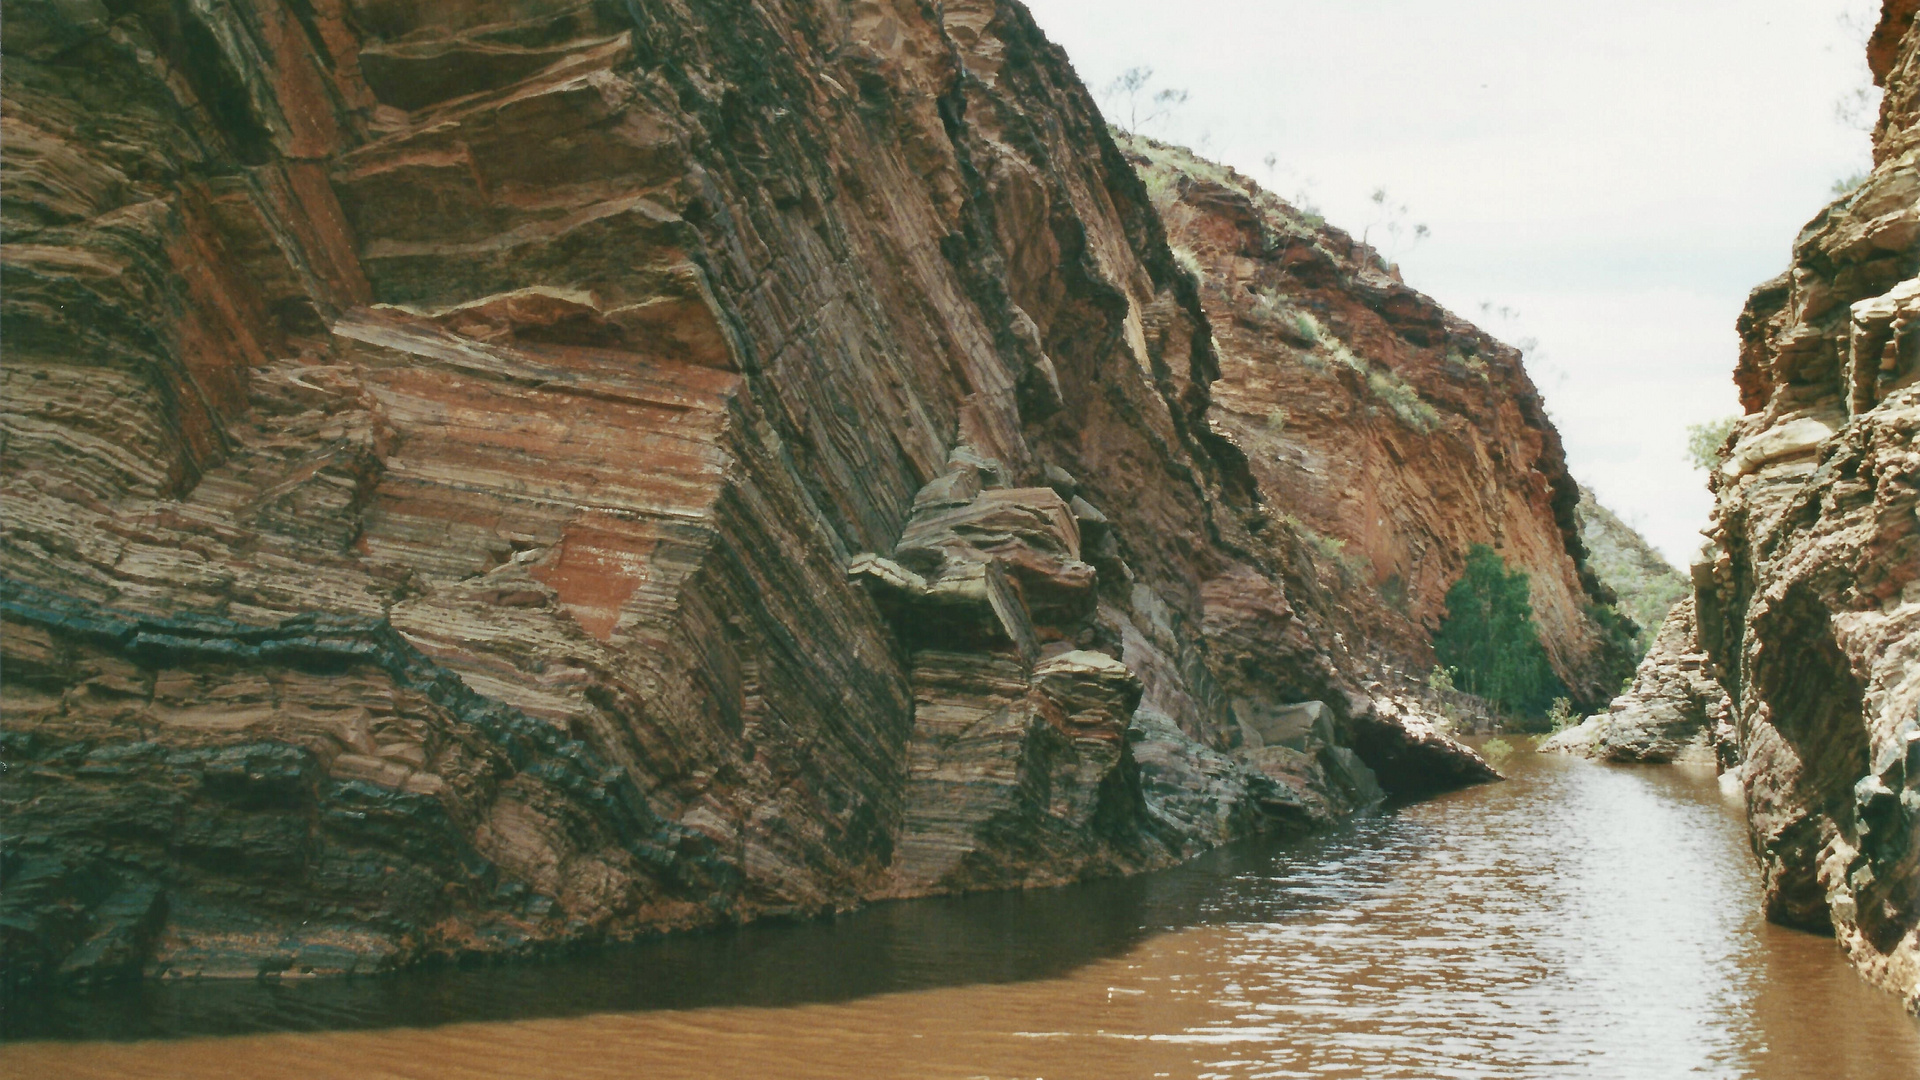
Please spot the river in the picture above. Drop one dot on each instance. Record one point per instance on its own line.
(1579, 920)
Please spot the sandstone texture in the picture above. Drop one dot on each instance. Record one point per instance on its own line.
(1807, 603)
(482, 476)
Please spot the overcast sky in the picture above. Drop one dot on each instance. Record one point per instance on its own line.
(1619, 174)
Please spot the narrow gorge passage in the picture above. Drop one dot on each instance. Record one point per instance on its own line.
(778, 538)
(1581, 920)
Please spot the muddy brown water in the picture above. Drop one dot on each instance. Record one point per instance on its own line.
(1578, 921)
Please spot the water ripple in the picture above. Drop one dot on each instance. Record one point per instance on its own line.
(1577, 922)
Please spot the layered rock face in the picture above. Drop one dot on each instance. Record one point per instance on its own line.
(1392, 434)
(481, 475)
(1808, 602)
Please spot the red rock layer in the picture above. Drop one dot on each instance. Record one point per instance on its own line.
(1392, 434)
(439, 436)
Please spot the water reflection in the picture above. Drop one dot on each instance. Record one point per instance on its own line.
(1577, 921)
(888, 948)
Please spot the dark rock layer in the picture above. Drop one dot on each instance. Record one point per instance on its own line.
(480, 476)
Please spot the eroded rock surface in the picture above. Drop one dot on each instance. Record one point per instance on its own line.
(480, 476)
(1808, 601)
(1676, 709)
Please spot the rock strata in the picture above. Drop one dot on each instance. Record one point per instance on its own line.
(1392, 434)
(1807, 602)
(479, 478)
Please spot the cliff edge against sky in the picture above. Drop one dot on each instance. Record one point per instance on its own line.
(487, 475)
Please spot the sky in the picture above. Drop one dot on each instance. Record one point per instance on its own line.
(1610, 179)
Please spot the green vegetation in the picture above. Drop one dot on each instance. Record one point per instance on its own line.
(1496, 750)
(1389, 389)
(1163, 188)
(1467, 362)
(1270, 310)
(1845, 185)
(1706, 442)
(1647, 586)
(1331, 548)
(1327, 549)
(1404, 401)
(1490, 640)
(1560, 715)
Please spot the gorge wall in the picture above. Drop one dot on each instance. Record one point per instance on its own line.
(482, 475)
(1797, 663)
(1389, 435)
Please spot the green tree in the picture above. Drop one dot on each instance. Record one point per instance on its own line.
(1706, 441)
(1490, 639)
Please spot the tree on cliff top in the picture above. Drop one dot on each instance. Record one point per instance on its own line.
(1490, 639)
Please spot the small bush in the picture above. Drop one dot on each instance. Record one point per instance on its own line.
(1403, 401)
(1467, 362)
(1560, 715)
(1163, 188)
(1277, 419)
(1706, 443)
(1268, 308)
(1440, 679)
(1496, 750)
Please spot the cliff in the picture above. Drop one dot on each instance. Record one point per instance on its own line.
(485, 476)
(1390, 434)
(1806, 605)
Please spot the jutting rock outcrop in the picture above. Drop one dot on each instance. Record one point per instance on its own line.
(480, 476)
(1675, 710)
(1807, 603)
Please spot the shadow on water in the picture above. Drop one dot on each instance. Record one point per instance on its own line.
(892, 947)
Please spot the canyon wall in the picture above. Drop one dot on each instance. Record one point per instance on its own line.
(1806, 612)
(484, 475)
(1389, 434)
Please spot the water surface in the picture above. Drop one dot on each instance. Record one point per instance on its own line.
(1578, 921)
